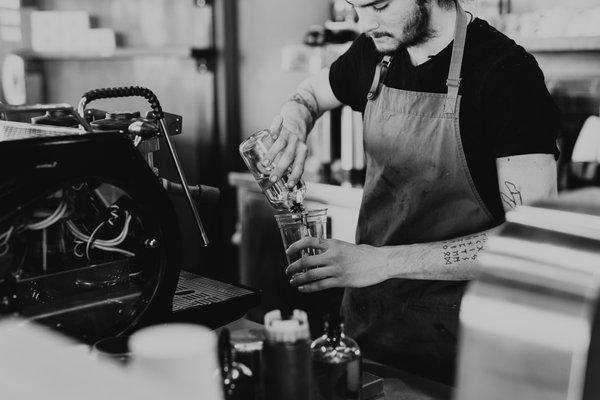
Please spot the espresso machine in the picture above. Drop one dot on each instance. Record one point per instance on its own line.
(89, 241)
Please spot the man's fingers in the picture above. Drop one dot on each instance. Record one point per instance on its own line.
(306, 263)
(307, 243)
(276, 125)
(312, 275)
(278, 146)
(286, 158)
(298, 167)
(319, 285)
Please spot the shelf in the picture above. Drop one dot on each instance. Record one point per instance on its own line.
(120, 53)
(559, 44)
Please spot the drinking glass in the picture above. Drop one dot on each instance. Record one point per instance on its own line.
(296, 226)
(316, 304)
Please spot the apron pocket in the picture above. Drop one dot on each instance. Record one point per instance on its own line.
(440, 317)
(433, 307)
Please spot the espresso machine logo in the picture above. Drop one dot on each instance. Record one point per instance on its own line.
(49, 165)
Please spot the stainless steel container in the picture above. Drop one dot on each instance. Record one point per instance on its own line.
(529, 322)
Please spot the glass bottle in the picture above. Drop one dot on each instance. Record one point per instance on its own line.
(337, 365)
(253, 151)
(238, 380)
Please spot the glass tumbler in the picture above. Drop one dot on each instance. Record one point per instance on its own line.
(293, 228)
(316, 304)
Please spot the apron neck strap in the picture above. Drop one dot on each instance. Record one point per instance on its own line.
(380, 75)
(458, 50)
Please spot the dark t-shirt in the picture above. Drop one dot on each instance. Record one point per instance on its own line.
(505, 110)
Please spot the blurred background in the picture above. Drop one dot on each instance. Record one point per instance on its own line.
(227, 66)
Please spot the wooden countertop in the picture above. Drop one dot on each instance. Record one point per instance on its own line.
(397, 384)
(342, 196)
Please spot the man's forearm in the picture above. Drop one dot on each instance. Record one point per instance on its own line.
(305, 98)
(444, 260)
(301, 109)
(310, 100)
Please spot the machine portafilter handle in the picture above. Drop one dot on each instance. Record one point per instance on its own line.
(137, 91)
(202, 193)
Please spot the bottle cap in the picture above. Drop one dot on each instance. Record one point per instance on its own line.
(286, 330)
(248, 340)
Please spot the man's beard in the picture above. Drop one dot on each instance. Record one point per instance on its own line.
(416, 29)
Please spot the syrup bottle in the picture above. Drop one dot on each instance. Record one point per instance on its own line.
(286, 356)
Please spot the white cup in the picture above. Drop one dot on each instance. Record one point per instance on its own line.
(182, 356)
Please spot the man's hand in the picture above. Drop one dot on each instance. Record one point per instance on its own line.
(340, 264)
(298, 115)
(289, 149)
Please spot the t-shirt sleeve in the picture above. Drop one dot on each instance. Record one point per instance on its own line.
(520, 112)
(346, 75)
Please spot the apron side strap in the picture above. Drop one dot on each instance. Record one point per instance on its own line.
(380, 75)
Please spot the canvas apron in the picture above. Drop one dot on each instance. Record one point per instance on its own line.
(418, 189)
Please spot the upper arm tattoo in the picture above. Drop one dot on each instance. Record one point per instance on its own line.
(511, 196)
(526, 178)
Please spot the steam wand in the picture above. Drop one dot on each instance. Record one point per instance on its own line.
(164, 131)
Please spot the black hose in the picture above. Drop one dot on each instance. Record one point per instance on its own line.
(130, 91)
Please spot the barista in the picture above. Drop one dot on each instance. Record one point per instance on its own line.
(459, 128)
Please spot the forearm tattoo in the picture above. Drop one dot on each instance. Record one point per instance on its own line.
(297, 98)
(512, 196)
(464, 249)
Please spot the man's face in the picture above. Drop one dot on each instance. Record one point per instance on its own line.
(394, 23)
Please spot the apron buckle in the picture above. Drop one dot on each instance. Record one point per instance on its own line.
(453, 82)
(380, 75)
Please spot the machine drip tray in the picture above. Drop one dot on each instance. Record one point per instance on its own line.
(209, 302)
